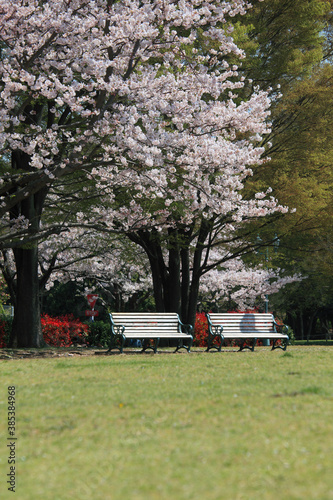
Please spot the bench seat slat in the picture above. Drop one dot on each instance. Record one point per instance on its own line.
(235, 335)
(156, 335)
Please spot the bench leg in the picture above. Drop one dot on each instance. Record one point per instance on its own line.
(113, 343)
(157, 341)
(182, 346)
(283, 346)
(146, 344)
(250, 347)
(122, 344)
(210, 342)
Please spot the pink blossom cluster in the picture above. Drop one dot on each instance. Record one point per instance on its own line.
(108, 262)
(243, 284)
(135, 99)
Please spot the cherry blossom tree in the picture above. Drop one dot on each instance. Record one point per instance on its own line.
(98, 263)
(110, 264)
(118, 269)
(120, 94)
(243, 285)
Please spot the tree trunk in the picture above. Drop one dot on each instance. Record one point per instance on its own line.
(310, 325)
(157, 283)
(193, 301)
(302, 325)
(173, 288)
(185, 285)
(27, 330)
(194, 286)
(197, 272)
(150, 243)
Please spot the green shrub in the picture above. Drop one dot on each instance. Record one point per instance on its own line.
(5, 330)
(98, 333)
(291, 334)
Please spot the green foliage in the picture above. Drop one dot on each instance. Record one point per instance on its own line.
(289, 43)
(301, 174)
(5, 330)
(63, 298)
(285, 39)
(98, 333)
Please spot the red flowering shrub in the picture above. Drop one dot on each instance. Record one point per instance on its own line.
(200, 330)
(63, 331)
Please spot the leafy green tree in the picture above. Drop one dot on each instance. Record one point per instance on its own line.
(293, 42)
(283, 39)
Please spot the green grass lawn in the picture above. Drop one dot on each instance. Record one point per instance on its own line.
(229, 425)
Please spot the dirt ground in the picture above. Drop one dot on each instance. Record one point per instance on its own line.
(7, 354)
(49, 353)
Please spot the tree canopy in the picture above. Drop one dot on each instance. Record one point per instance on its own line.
(148, 119)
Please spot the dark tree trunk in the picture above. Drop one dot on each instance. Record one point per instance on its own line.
(158, 280)
(197, 271)
(310, 324)
(27, 330)
(173, 286)
(193, 301)
(150, 243)
(185, 285)
(302, 325)
(174, 290)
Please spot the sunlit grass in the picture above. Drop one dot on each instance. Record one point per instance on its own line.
(229, 425)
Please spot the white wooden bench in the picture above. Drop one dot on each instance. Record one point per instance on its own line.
(149, 328)
(245, 326)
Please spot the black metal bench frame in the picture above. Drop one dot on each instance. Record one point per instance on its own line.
(244, 327)
(149, 328)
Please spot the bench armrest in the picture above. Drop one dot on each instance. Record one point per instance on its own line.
(218, 329)
(214, 329)
(186, 328)
(281, 328)
(117, 329)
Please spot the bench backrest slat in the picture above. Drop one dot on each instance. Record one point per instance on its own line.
(144, 321)
(243, 321)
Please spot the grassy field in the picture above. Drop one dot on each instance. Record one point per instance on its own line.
(208, 426)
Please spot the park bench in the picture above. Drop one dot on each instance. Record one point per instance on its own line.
(149, 328)
(245, 327)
